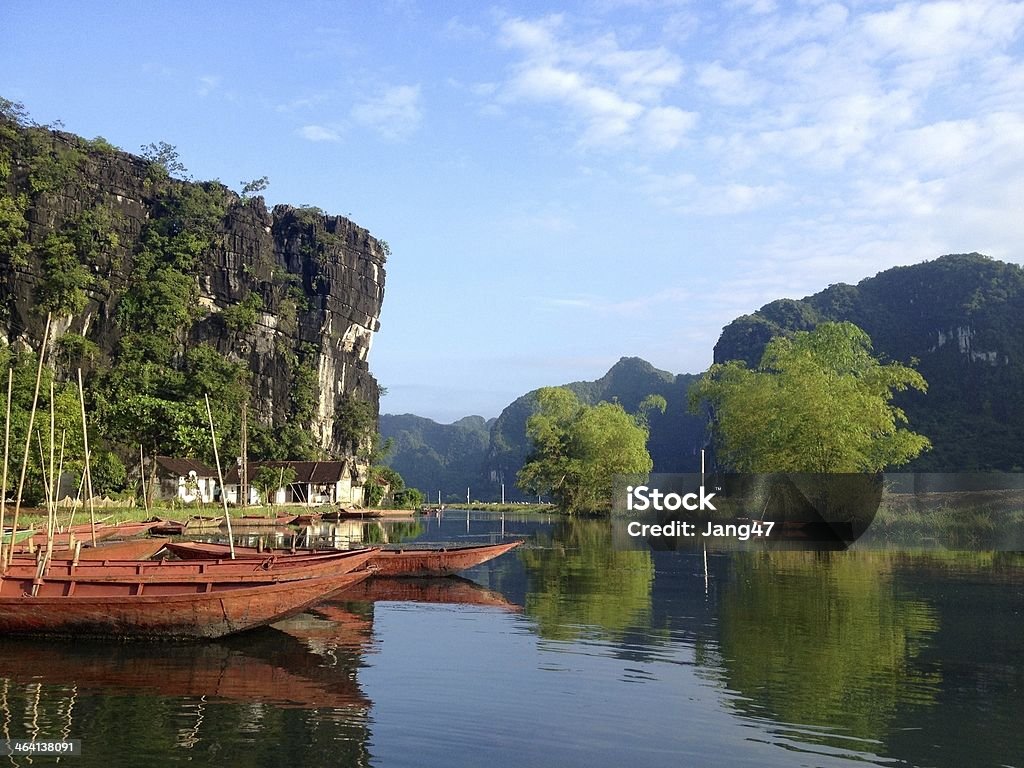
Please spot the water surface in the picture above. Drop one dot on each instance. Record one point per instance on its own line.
(570, 651)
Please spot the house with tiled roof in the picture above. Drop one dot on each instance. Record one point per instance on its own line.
(186, 480)
(316, 482)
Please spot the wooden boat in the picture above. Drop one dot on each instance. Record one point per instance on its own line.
(136, 549)
(349, 513)
(63, 541)
(165, 527)
(128, 528)
(388, 562)
(201, 523)
(151, 613)
(127, 577)
(307, 518)
(436, 562)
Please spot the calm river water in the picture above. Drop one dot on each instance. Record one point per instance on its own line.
(569, 652)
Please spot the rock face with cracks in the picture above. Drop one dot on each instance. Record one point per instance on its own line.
(292, 293)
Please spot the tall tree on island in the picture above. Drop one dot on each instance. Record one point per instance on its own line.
(818, 402)
(578, 449)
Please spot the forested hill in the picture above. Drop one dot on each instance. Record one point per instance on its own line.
(431, 456)
(164, 290)
(482, 455)
(676, 436)
(961, 317)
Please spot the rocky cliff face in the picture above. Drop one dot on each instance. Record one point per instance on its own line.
(292, 293)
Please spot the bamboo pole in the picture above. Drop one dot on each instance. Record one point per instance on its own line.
(142, 479)
(88, 472)
(220, 477)
(28, 435)
(60, 474)
(3, 488)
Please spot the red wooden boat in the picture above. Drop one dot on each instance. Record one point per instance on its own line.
(130, 577)
(151, 613)
(436, 562)
(135, 549)
(63, 540)
(388, 562)
(165, 527)
(128, 528)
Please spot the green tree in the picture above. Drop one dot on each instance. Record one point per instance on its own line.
(818, 402)
(269, 479)
(577, 449)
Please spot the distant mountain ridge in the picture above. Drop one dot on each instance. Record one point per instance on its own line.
(961, 317)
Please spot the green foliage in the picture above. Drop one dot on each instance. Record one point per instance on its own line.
(408, 498)
(75, 351)
(14, 247)
(354, 422)
(582, 584)
(242, 317)
(268, 479)
(250, 188)
(818, 402)
(52, 167)
(577, 450)
(65, 278)
(164, 158)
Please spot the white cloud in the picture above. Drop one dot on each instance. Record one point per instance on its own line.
(733, 87)
(318, 133)
(208, 84)
(612, 96)
(394, 114)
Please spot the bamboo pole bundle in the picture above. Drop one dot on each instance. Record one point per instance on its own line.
(88, 471)
(220, 477)
(28, 434)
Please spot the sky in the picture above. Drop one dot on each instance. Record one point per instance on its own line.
(562, 185)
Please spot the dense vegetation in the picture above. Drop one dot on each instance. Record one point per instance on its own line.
(578, 449)
(818, 402)
(959, 317)
(124, 295)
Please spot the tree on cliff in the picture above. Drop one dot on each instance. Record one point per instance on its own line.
(818, 402)
(577, 449)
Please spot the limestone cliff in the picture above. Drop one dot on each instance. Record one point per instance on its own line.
(291, 293)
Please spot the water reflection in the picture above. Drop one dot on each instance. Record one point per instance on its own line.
(777, 659)
(825, 640)
(579, 583)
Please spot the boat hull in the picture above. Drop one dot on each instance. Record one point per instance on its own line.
(181, 616)
(387, 562)
(130, 577)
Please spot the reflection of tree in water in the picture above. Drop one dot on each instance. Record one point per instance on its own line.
(825, 640)
(579, 583)
(391, 532)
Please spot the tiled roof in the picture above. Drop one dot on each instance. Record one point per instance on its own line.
(315, 472)
(182, 467)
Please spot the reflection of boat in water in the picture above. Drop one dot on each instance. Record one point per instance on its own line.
(452, 590)
(267, 666)
(407, 561)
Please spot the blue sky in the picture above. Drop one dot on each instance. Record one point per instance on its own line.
(562, 185)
